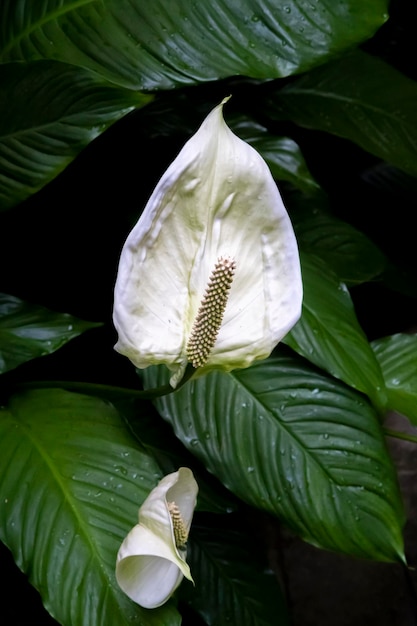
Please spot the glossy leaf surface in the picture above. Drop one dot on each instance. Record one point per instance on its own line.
(361, 98)
(297, 444)
(160, 46)
(28, 331)
(157, 438)
(397, 356)
(348, 252)
(329, 335)
(48, 113)
(71, 482)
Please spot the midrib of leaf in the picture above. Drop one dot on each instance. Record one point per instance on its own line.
(311, 456)
(41, 128)
(44, 20)
(69, 119)
(71, 502)
(347, 99)
(291, 434)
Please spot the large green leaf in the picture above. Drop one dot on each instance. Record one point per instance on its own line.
(48, 113)
(71, 482)
(160, 44)
(361, 98)
(232, 587)
(397, 356)
(28, 331)
(348, 252)
(160, 442)
(298, 444)
(329, 334)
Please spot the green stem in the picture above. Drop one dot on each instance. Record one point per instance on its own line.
(399, 435)
(98, 389)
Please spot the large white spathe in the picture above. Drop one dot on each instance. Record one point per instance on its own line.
(217, 199)
(150, 565)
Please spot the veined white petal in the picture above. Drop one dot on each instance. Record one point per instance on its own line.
(218, 198)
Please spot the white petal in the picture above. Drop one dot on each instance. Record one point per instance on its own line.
(183, 491)
(218, 198)
(179, 487)
(147, 570)
(149, 567)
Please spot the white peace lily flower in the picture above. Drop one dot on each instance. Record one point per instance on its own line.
(210, 274)
(151, 562)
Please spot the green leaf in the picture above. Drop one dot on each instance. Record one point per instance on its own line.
(348, 252)
(232, 587)
(329, 335)
(361, 98)
(71, 482)
(282, 154)
(28, 331)
(158, 440)
(397, 356)
(48, 113)
(298, 444)
(152, 45)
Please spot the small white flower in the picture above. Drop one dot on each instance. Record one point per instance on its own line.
(151, 560)
(210, 274)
